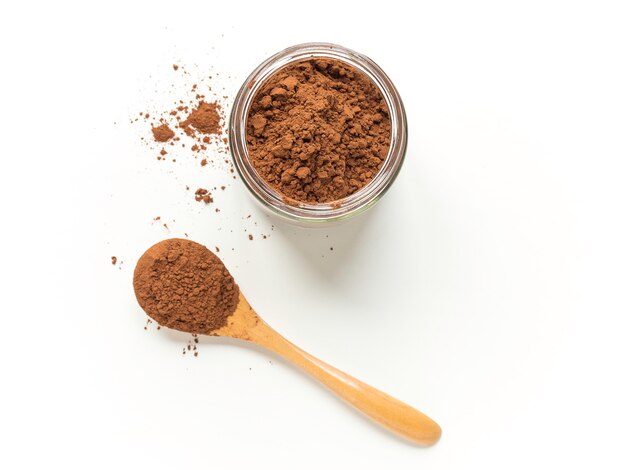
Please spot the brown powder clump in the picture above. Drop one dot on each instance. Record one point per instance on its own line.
(184, 286)
(162, 133)
(318, 131)
(205, 118)
(204, 195)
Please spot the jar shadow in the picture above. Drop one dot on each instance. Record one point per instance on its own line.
(325, 249)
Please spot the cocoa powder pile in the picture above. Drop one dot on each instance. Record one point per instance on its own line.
(318, 131)
(162, 133)
(205, 118)
(183, 285)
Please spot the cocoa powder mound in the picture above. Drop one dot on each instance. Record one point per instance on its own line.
(318, 131)
(183, 285)
(162, 133)
(205, 118)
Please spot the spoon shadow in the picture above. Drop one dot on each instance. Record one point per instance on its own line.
(182, 338)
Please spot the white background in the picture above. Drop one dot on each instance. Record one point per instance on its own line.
(486, 289)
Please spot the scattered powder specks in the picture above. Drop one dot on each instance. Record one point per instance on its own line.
(203, 195)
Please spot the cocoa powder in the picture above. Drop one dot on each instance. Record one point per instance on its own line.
(203, 195)
(183, 285)
(162, 133)
(318, 131)
(205, 118)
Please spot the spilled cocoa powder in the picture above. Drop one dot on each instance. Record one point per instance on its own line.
(318, 131)
(205, 118)
(162, 133)
(183, 285)
(203, 123)
(203, 195)
(191, 130)
(195, 121)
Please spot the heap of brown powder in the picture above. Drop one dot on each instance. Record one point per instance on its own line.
(200, 120)
(318, 131)
(162, 133)
(184, 286)
(205, 118)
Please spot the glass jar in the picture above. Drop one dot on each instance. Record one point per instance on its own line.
(324, 213)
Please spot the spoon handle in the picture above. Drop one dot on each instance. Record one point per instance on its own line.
(389, 412)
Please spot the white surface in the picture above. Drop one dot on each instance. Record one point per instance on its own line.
(486, 289)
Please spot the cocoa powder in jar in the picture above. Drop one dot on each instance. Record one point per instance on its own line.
(318, 131)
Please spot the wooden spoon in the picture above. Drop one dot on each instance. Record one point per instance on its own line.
(394, 415)
(181, 284)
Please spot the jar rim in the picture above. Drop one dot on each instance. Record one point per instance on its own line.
(343, 208)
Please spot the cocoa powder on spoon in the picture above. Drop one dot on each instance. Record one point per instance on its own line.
(183, 285)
